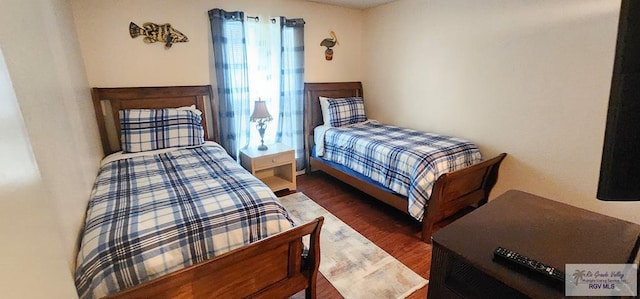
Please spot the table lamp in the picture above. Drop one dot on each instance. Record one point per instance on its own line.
(261, 116)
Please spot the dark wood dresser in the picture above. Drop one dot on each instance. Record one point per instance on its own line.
(551, 232)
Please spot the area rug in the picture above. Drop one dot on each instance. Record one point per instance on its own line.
(355, 266)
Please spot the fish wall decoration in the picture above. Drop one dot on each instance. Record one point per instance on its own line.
(157, 33)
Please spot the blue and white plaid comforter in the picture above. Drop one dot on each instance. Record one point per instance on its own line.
(403, 160)
(152, 215)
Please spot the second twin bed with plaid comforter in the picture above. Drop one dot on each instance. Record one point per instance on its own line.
(154, 214)
(403, 160)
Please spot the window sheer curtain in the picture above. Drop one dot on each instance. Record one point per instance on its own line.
(263, 52)
(259, 60)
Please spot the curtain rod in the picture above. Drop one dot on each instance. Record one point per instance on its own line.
(257, 19)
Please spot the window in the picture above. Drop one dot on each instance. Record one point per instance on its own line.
(259, 60)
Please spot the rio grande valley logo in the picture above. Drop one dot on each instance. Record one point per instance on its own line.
(601, 280)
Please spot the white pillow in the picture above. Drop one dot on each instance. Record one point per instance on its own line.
(324, 107)
(192, 108)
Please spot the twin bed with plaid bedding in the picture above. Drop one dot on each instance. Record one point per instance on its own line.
(406, 161)
(154, 214)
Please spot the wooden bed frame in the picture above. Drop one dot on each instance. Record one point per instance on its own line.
(270, 268)
(452, 192)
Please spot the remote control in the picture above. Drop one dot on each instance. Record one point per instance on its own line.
(516, 258)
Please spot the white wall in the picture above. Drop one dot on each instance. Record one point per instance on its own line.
(530, 78)
(113, 58)
(43, 60)
(31, 248)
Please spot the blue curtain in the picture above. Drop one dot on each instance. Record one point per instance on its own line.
(229, 48)
(291, 122)
(234, 102)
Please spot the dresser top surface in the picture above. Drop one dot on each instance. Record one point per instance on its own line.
(545, 230)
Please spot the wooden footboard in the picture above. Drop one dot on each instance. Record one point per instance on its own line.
(269, 268)
(452, 192)
(457, 190)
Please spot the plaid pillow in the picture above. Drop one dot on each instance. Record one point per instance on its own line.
(346, 111)
(151, 129)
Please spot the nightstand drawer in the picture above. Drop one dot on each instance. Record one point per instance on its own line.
(276, 166)
(273, 160)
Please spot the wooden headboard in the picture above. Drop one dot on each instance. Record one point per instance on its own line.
(312, 112)
(107, 103)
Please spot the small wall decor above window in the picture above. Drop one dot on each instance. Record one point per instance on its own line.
(329, 42)
(157, 33)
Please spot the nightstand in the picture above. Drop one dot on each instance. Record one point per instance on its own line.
(276, 166)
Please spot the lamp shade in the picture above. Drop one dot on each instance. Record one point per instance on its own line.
(260, 112)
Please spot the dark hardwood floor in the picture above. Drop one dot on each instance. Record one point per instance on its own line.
(396, 233)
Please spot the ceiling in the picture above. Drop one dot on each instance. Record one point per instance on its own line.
(357, 4)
